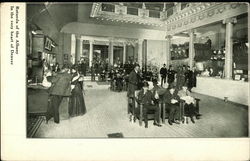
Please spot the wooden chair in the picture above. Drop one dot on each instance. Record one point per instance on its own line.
(131, 108)
(165, 112)
(139, 112)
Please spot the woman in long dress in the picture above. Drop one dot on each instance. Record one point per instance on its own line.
(76, 102)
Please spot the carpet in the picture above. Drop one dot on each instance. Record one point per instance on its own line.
(33, 123)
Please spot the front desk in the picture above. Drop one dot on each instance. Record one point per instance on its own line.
(235, 91)
(37, 101)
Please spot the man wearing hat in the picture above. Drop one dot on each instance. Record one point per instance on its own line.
(163, 73)
(157, 89)
(171, 99)
(146, 97)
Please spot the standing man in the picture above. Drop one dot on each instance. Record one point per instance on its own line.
(92, 69)
(208, 42)
(163, 73)
(171, 75)
(188, 78)
(61, 87)
(83, 67)
(133, 81)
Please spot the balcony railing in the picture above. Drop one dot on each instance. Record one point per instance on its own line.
(154, 14)
(163, 15)
(132, 11)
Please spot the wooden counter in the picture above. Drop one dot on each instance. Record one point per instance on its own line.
(37, 99)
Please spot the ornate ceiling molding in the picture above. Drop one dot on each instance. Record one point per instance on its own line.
(120, 15)
(194, 15)
(215, 13)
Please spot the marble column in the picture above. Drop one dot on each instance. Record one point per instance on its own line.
(78, 49)
(168, 54)
(124, 53)
(81, 50)
(90, 52)
(229, 47)
(191, 48)
(73, 48)
(140, 41)
(111, 52)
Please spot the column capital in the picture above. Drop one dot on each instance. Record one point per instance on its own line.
(140, 41)
(78, 37)
(190, 32)
(91, 41)
(111, 39)
(229, 20)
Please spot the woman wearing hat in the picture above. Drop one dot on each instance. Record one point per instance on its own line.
(76, 102)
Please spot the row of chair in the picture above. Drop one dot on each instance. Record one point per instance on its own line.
(136, 109)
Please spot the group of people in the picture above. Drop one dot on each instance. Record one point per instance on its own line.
(183, 76)
(65, 83)
(171, 96)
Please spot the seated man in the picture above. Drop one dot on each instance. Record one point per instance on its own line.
(146, 97)
(157, 89)
(189, 108)
(171, 99)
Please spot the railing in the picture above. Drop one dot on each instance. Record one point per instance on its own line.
(128, 10)
(132, 11)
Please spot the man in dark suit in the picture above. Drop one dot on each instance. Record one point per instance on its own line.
(133, 81)
(61, 87)
(171, 75)
(83, 67)
(171, 99)
(163, 73)
(188, 78)
(146, 97)
(208, 42)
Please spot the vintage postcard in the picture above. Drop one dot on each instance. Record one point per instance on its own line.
(125, 81)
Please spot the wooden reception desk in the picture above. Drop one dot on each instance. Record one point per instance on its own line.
(37, 101)
(236, 91)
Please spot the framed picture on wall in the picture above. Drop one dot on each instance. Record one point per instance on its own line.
(47, 44)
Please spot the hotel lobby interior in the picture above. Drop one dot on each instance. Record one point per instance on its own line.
(212, 37)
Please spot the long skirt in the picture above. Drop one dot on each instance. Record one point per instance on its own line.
(76, 103)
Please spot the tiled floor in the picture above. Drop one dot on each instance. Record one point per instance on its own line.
(107, 113)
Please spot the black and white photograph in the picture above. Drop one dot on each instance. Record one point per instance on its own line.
(124, 71)
(134, 69)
